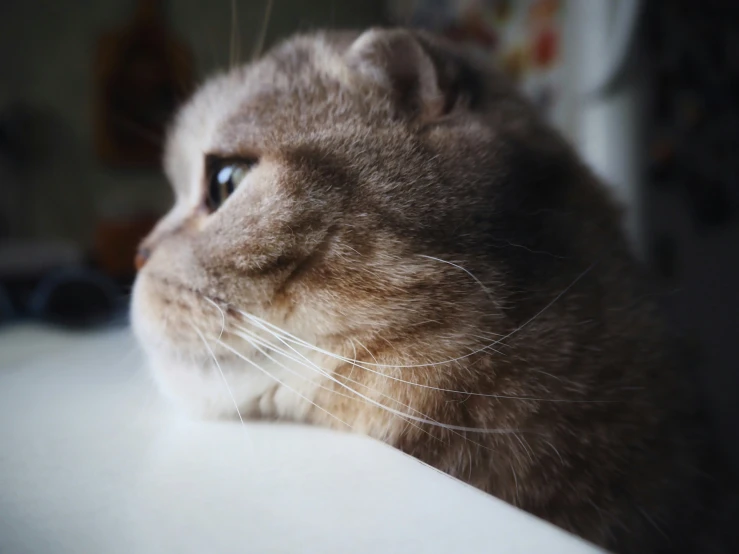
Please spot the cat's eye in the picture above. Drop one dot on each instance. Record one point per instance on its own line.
(224, 178)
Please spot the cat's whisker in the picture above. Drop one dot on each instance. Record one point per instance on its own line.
(366, 350)
(351, 374)
(364, 365)
(526, 447)
(486, 335)
(424, 420)
(515, 482)
(279, 381)
(223, 375)
(549, 305)
(490, 348)
(561, 460)
(354, 366)
(459, 358)
(306, 362)
(323, 373)
(524, 247)
(254, 339)
(254, 342)
(223, 316)
(485, 289)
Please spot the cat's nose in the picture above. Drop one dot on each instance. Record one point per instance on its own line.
(142, 255)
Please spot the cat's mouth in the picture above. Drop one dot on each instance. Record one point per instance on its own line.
(179, 318)
(180, 287)
(169, 314)
(174, 287)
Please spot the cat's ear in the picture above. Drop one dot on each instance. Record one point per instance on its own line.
(426, 79)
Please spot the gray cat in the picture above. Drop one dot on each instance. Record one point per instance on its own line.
(374, 232)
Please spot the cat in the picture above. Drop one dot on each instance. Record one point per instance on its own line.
(375, 232)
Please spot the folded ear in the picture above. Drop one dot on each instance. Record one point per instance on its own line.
(425, 78)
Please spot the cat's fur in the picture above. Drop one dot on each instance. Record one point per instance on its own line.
(411, 212)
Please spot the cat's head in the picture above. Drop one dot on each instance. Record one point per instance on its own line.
(346, 186)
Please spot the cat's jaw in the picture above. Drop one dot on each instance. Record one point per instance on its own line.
(209, 387)
(210, 375)
(203, 391)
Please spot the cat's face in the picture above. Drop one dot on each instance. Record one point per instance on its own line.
(324, 190)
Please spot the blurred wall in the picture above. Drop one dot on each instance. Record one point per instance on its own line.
(47, 50)
(692, 193)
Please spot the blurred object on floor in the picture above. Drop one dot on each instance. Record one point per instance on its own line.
(50, 281)
(142, 73)
(76, 297)
(6, 307)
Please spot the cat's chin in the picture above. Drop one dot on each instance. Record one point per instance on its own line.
(185, 372)
(202, 391)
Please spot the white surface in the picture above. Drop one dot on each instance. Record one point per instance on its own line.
(92, 461)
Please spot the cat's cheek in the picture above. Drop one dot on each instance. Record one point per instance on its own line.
(187, 385)
(149, 316)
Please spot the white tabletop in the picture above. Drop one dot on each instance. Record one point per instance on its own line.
(92, 461)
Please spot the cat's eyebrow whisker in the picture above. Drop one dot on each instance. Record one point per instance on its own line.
(259, 45)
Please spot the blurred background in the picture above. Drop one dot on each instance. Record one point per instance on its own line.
(648, 92)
